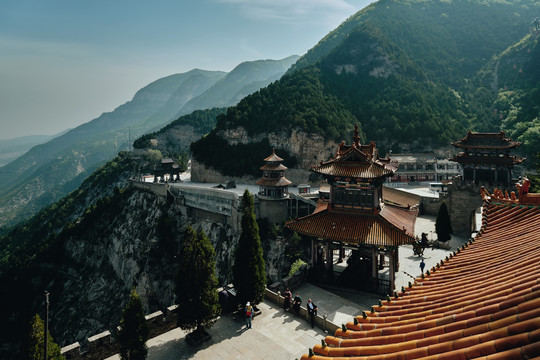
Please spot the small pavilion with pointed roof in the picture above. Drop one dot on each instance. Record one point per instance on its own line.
(355, 215)
(274, 184)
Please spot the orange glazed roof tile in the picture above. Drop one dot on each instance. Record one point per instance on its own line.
(356, 161)
(273, 157)
(391, 227)
(486, 141)
(274, 167)
(352, 169)
(282, 181)
(483, 302)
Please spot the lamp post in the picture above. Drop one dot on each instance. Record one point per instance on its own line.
(46, 325)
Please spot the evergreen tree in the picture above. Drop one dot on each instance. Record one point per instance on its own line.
(443, 227)
(34, 343)
(196, 282)
(248, 270)
(133, 330)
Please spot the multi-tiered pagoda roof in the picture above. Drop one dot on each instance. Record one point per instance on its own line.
(273, 184)
(355, 214)
(487, 148)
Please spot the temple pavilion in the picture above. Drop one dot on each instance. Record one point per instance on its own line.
(167, 168)
(486, 157)
(274, 184)
(355, 216)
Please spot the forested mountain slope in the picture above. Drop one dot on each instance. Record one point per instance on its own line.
(400, 69)
(508, 92)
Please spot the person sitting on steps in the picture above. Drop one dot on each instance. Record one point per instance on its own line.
(312, 310)
(287, 299)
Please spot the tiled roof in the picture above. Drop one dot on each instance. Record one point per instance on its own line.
(273, 157)
(282, 181)
(356, 161)
(353, 170)
(395, 196)
(273, 167)
(352, 227)
(400, 217)
(483, 303)
(486, 141)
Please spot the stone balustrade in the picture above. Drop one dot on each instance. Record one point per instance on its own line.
(103, 345)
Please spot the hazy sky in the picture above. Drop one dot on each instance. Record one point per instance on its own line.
(64, 62)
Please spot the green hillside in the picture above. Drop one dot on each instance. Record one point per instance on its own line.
(243, 80)
(508, 90)
(404, 70)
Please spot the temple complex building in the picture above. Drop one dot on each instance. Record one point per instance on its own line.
(355, 217)
(481, 302)
(413, 167)
(486, 158)
(422, 168)
(167, 170)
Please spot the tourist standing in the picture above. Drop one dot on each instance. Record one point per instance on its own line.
(249, 315)
(312, 310)
(422, 265)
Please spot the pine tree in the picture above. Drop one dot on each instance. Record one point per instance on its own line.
(443, 227)
(34, 343)
(133, 330)
(248, 270)
(196, 283)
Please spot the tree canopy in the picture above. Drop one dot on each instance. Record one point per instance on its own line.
(196, 282)
(134, 330)
(33, 348)
(249, 267)
(443, 227)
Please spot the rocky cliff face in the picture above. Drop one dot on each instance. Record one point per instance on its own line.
(177, 138)
(134, 241)
(123, 247)
(309, 149)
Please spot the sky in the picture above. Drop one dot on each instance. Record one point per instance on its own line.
(64, 62)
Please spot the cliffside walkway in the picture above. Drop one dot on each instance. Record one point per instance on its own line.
(275, 334)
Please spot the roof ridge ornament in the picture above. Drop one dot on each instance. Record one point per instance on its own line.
(356, 138)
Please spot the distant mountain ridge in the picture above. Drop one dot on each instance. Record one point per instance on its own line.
(51, 170)
(10, 149)
(243, 80)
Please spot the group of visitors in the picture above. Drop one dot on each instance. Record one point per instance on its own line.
(296, 302)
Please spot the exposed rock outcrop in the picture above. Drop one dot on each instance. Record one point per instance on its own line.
(133, 242)
(309, 149)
